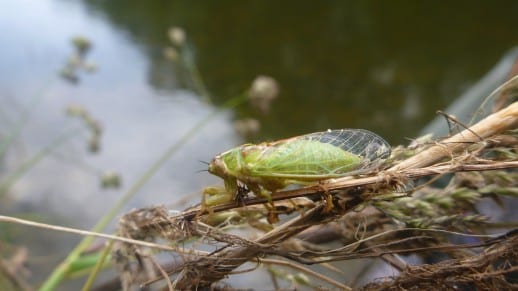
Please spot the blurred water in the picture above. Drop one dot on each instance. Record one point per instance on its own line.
(383, 66)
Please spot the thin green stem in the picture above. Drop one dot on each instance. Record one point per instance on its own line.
(198, 84)
(27, 165)
(26, 114)
(91, 278)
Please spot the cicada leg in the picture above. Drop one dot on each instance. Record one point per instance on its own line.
(270, 207)
(327, 197)
(213, 196)
(242, 192)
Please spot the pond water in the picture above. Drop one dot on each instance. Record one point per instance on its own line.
(386, 66)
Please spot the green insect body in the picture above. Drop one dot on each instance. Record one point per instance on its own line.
(313, 157)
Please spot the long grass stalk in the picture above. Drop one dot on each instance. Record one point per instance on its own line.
(15, 131)
(98, 266)
(29, 164)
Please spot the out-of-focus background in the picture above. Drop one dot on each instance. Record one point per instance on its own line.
(131, 92)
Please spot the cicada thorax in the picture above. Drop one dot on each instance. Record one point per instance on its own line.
(249, 157)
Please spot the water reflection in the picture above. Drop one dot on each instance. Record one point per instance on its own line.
(382, 66)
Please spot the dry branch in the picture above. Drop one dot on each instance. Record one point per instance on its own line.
(485, 271)
(505, 119)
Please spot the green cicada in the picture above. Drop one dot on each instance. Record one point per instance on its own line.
(270, 166)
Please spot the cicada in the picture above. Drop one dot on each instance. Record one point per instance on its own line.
(270, 166)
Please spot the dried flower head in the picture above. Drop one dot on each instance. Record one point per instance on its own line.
(177, 35)
(247, 126)
(263, 91)
(170, 53)
(110, 179)
(82, 44)
(76, 110)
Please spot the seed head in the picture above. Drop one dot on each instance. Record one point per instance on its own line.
(263, 91)
(177, 36)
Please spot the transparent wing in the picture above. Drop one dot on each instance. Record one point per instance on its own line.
(361, 142)
(322, 155)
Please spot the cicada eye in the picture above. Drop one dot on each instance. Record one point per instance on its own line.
(212, 166)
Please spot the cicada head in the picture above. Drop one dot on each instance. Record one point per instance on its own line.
(217, 167)
(223, 166)
(227, 164)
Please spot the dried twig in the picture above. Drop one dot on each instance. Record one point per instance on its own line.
(484, 271)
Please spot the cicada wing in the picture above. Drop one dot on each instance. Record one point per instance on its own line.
(361, 142)
(303, 158)
(320, 155)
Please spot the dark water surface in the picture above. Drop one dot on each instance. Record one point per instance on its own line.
(382, 65)
(386, 66)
